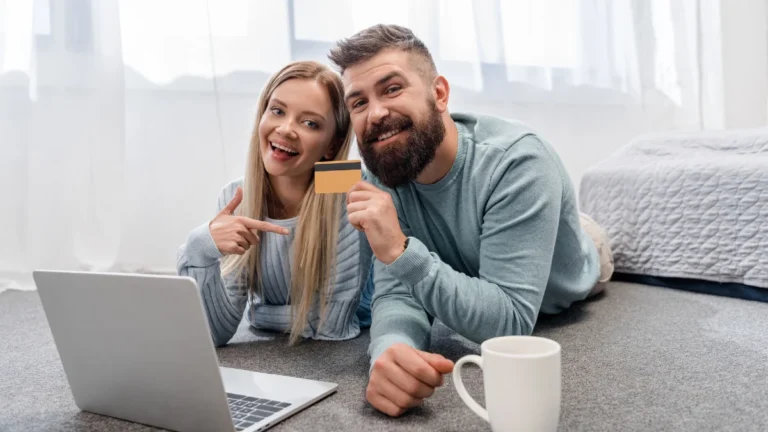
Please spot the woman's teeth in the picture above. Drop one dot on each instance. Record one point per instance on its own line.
(283, 148)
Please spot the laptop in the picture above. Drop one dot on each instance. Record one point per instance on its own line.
(138, 348)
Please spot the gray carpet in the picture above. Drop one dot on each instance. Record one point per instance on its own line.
(638, 358)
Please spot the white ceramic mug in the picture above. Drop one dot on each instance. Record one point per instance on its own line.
(521, 375)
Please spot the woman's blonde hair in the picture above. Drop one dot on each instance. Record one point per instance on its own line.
(313, 271)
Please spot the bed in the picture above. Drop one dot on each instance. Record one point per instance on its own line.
(686, 208)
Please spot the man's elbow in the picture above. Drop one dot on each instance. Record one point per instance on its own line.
(220, 340)
(517, 324)
(526, 329)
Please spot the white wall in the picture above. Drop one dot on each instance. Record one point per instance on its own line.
(745, 62)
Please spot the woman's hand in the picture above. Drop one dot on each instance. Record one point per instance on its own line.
(236, 234)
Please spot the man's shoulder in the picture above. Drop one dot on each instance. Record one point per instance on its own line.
(500, 139)
(484, 129)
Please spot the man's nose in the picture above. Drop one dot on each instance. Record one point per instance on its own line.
(376, 113)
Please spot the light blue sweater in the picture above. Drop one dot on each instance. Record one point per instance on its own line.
(492, 244)
(226, 299)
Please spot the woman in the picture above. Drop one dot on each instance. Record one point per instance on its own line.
(287, 255)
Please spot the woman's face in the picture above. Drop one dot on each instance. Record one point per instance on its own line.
(297, 128)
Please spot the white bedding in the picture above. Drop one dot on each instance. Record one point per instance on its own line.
(686, 205)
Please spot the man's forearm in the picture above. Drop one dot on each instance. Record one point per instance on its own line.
(475, 308)
(397, 316)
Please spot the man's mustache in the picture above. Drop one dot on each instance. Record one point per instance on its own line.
(372, 134)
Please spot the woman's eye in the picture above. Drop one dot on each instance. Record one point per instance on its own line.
(276, 110)
(311, 124)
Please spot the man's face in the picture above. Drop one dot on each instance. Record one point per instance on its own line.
(394, 116)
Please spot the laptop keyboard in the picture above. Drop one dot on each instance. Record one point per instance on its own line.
(247, 411)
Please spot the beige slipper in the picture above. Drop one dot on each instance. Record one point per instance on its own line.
(600, 238)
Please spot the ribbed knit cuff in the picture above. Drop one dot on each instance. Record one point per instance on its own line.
(413, 265)
(381, 343)
(201, 250)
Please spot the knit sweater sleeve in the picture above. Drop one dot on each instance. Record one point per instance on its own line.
(224, 298)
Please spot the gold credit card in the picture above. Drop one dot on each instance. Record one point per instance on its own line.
(336, 176)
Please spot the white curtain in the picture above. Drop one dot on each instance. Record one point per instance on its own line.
(121, 120)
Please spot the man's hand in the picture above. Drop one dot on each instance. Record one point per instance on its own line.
(236, 234)
(372, 211)
(402, 377)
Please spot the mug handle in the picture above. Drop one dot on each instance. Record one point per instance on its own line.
(474, 406)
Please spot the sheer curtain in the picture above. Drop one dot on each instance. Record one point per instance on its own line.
(121, 120)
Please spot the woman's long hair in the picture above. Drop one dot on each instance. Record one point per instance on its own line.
(313, 272)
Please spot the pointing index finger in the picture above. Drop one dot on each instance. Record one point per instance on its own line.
(263, 226)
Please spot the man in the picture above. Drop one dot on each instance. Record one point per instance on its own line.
(472, 219)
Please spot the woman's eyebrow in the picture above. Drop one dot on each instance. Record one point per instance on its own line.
(305, 112)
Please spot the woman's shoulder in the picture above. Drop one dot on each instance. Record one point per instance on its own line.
(231, 187)
(344, 224)
(350, 237)
(227, 192)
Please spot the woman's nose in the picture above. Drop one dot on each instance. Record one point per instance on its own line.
(286, 129)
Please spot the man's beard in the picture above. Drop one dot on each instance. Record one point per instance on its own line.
(398, 163)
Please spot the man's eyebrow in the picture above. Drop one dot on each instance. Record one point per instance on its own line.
(354, 94)
(388, 77)
(380, 82)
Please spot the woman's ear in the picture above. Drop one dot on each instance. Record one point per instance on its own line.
(332, 150)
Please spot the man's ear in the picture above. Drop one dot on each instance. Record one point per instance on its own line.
(441, 91)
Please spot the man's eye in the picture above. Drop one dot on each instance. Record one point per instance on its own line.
(392, 89)
(358, 103)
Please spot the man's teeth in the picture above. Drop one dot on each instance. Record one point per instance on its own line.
(389, 134)
(285, 149)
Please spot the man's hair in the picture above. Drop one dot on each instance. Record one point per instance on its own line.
(365, 44)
